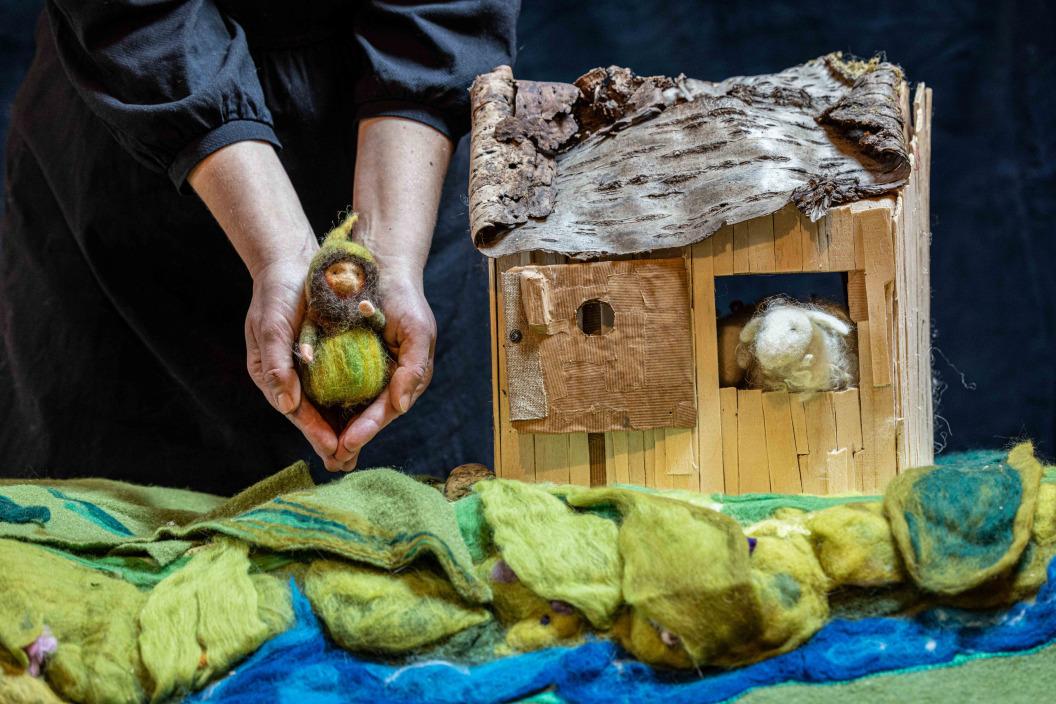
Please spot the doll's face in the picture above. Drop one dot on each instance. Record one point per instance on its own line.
(345, 278)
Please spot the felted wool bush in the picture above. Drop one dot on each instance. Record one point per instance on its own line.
(91, 615)
(558, 553)
(686, 569)
(792, 590)
(854, 545)
(531, 621)
(958, 527)
(642, 638)
(369, 610)
(342, 359)
(1044, 530)
(200, 620)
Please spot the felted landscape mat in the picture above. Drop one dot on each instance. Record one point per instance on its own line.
(118, 593)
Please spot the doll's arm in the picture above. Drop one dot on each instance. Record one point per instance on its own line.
(306, 343)
(375, 318)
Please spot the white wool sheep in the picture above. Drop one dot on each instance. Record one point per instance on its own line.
(793, 346)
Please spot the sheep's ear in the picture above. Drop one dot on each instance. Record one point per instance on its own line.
(749, 331)
(828, 321)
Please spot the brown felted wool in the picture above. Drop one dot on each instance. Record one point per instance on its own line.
(958, 526)
(854, 545)
(686, 569)
(342, 359)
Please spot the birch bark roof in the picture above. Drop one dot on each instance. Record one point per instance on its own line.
(622, 164)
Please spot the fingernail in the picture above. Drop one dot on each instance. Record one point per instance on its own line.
(405, 403)
(284, 402)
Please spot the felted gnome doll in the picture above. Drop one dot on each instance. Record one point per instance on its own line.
(343, 361)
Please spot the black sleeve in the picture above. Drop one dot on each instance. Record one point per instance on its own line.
(422, 56)
(172, 79)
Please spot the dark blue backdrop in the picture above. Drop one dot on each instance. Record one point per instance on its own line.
(993, 69)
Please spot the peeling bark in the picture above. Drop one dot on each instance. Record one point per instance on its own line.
(622, 164)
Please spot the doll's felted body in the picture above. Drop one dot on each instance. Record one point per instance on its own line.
(343, 360)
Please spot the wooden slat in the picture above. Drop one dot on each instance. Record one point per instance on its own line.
(839, 473)
(620, 459)
(516, 459)
(496, 425)
(705, 345)
(740, 249)
(799, 424)
(870, 480)
(610, 459)
(781, 443)
(788, 240)
(886, 430)
(730, 464)
(875, 226)
(753, 464)
(859, 471)
(847, 409)
(578, 459)
(636, 457)
(761, 245)
(525, 456)
(845, 406)
(551, 458)
(722, 250)
(681, 465)
(815, 250)
(649, 453)
(821, 432)
(661, 478)
(856, 301)
(840, 237)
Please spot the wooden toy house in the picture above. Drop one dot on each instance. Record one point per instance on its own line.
(609, 209)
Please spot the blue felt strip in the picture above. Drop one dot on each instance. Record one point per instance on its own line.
(302, 665)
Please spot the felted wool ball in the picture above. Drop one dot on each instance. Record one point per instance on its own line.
(343, 361)
(349, 369)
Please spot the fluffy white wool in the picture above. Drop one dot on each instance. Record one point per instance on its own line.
(793, 346)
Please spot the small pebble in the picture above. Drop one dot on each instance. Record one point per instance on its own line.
(562, 607)
(545, 620)
(751, 545)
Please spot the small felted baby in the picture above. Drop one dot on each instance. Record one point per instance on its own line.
(343, 361)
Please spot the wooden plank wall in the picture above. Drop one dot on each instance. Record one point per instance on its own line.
(751, 441)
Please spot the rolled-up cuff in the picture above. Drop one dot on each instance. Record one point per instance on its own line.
(225, 134)
(450, 126)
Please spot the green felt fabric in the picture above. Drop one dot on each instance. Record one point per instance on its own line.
(1010, 679)
(379, 517)
(558, 553)
(959, 526)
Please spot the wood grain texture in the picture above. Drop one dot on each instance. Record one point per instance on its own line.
(705, 353)
(578, 459)
(788, 240)
(821, 431)
(752, 461)
(730, 460)
(781, 443)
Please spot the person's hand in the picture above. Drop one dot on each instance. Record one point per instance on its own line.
(272, 325)
(410, 333)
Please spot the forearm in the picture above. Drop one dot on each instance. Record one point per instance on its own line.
(400, 167)
(249, 194)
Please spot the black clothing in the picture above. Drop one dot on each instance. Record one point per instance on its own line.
(121, 302)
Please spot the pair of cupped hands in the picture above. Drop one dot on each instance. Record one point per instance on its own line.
(273, 323)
